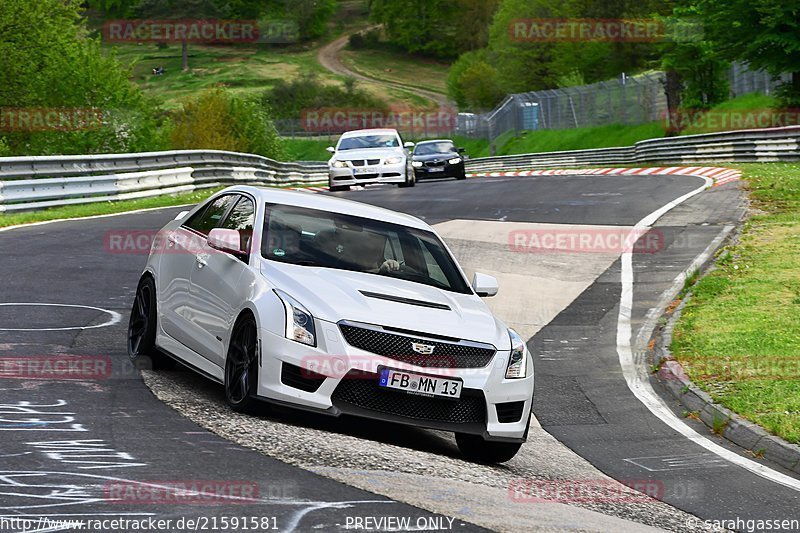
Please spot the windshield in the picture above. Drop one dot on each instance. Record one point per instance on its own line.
(311, 237)
(442, 147)
(369, 141)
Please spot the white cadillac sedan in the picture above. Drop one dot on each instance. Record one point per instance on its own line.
(335, 306)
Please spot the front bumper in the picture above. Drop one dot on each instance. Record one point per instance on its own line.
(363, 175)
(447, 171)
(336, 378)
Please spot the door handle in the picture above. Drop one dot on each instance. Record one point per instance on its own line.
(202, 260)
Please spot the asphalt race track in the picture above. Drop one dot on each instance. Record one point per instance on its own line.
(68, 445)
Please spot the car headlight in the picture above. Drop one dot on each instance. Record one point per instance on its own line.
(395, 160)
(339, 164)
(299, 322)
(454, 161)
(518, 360)
(416, 164)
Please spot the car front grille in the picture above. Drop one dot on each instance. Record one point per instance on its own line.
(362, 391)
(435, 164)
(362, 162)
(401, 348)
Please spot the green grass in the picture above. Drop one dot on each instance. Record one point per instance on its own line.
(384, 64)
(739, 335)
(105, 208)
(579, 138)
(242, 69)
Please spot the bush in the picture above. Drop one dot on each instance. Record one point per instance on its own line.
(365, 39)
(219, 120)
(288, 100)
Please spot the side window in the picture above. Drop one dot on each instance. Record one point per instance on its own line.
(241, 218)
(206, 220)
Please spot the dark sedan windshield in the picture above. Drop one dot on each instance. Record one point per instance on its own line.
(311, 237)
(368, 141)
(441, 147)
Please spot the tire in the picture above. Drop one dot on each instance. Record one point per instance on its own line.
(462, 176)
(241, 366)
(474, 448)
(142, 328)
(411, 180)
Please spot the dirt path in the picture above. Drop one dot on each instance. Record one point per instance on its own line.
(328, 57)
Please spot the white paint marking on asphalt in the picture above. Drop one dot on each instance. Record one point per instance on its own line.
(679, 462)
(115, 317)
(636, 376)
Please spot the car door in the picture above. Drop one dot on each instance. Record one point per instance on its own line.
(217, 293)
(177, 264)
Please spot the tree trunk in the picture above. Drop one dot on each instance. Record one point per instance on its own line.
(185, 55)
(672, 89)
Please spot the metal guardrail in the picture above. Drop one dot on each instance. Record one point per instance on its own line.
(763, 145)
(29, 183)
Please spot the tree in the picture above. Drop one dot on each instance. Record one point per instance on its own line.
(180, 9)
(219, 120)
(444, 28)
(764, 33)
(472, 82)
(49, 64)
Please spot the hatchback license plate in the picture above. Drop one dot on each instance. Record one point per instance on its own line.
(419, 384)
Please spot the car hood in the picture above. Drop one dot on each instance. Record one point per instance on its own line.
(333, 295)
(368, 153)
(441, 157)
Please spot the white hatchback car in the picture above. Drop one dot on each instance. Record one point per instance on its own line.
(335, 306)
(370, 156)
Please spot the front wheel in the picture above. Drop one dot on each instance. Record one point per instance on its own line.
(476, 449)
(411, 180)
(142, 327)
(241, 367)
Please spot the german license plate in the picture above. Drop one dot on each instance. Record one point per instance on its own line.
(435, 169)
(419, 384)
(365, 170)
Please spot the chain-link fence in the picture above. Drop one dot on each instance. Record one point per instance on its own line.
(626, 100)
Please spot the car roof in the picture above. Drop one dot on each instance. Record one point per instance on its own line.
(324, 202)
(372, 131)
(436, 141)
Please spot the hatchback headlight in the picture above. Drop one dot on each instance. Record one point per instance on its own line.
(299, 322)
(339, 164)
(454, 161)
(394, 160)
(416, 164)
(518, 360)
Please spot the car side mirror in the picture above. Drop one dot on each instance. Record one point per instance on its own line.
(461, 150)
(225, 240)
(484, 285)
(408, 145)
(330, 149)
(182, 215)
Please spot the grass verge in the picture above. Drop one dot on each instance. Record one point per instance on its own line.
(739, 336)
(105, 208)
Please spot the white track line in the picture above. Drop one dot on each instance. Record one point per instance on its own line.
(637, 379)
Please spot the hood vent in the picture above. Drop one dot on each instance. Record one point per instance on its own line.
(408, 301)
